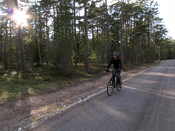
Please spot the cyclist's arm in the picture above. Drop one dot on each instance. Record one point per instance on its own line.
(109, 65)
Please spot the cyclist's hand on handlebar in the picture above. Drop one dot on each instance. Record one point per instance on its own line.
(124, 69)
(107, 70)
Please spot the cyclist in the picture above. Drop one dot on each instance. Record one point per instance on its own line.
(117, 66)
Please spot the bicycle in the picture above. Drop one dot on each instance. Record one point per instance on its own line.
(114, 83)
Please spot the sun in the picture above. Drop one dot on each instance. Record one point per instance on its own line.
(20, 17)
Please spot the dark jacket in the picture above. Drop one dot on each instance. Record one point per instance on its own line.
(117, 64)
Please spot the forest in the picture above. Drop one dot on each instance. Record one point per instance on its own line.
(54, 40)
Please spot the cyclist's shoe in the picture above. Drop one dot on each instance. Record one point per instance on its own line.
(119, 88)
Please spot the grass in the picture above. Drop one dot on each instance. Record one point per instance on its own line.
(41, 82)
(46, 80)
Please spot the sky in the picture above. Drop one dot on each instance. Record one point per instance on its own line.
(167, 12)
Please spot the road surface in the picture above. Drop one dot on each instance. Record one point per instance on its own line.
(146, 103)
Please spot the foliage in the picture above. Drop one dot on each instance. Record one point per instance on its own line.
(65, 33)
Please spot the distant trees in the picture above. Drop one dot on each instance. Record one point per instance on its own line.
(167, 49)
(66, 33)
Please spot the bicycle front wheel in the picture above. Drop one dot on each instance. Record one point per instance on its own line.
(110, 88)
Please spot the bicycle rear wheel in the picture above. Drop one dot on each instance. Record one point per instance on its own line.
(110, 88)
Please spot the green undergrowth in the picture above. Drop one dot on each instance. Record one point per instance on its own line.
(43, 80)
(47, 80)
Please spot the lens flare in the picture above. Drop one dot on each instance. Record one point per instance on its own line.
(20, 17)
